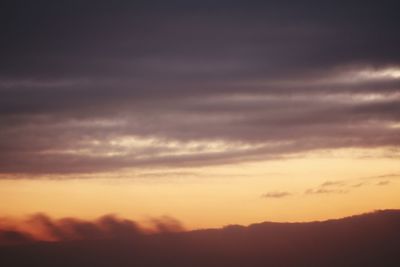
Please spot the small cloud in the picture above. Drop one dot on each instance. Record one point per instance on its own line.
(358, 185)
(328, 187)
(276, 194)
(389, 175)
(333, 183)
(318, 191)
(382, 183)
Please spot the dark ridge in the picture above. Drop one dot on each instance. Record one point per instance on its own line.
(366, 240)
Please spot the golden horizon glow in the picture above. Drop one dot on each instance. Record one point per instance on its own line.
(319, 185)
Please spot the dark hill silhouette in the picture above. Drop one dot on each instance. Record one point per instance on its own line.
(365, 240)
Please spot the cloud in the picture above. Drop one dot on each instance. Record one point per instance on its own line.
(170, 89)
(348, 185)
(381, 183)
(358, 185)
(167, 224)
(366, 238)
(381, 180)
(333, 184)
(384, 176)
(277, 194)
(330, 187)
(41, 227)
(318, 191)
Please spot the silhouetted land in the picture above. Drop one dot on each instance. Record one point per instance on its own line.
(365, 240)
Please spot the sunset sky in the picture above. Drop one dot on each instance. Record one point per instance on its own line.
(210, 112)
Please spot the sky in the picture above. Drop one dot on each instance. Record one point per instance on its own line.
(210, 112)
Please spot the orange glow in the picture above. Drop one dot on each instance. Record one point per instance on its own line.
(217, 196)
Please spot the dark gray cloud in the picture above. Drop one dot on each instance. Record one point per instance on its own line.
(90, 86)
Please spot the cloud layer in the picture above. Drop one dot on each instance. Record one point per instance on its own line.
(41, 227)
(93, 86)
(365, 240)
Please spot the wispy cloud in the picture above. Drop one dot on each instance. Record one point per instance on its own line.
(318, 191)
(381, 183)
(277, 194)
(388, 176)
(357, 185)
(348, 185)
(333, 184)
